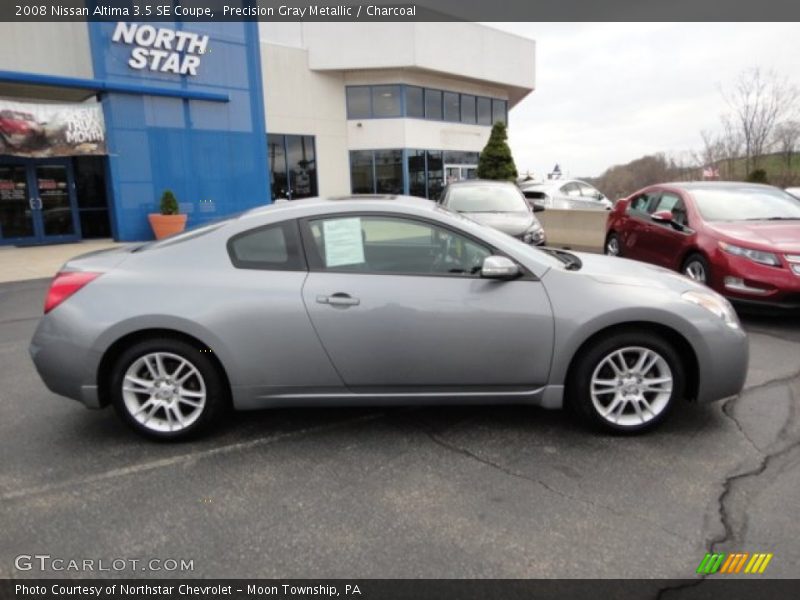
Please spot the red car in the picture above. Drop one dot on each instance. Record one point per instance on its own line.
(741, 239)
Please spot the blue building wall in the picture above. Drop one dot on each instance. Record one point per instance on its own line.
(211, 154)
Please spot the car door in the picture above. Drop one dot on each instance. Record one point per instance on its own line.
(570, 195)
(591, 197)
(665, 242)
(399, 306)
(638, 226)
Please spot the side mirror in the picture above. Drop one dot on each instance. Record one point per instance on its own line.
(662, 216)
(499, 267)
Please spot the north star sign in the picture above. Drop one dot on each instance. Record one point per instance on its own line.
(161, 49)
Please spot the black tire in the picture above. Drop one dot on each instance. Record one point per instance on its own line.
(697, 261)
(206, 375)
(579, 394)
(612, 238)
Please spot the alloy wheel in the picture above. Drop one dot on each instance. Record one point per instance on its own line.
(612, 246)
(631, 386)
(164, 392)
(696, 271)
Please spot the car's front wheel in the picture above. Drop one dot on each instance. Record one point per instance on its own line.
(612, 247)
(167, 389)
(626, 382)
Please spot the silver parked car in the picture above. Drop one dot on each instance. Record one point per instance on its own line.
(377, 300)
(566, 194)
(498, 204)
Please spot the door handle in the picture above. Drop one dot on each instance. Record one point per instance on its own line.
(338, 300)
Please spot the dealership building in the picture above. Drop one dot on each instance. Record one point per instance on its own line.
(97, 120)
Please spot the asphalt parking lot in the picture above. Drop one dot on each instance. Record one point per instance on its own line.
(512, 492)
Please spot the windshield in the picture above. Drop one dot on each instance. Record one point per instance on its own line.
(486, 198)
(746, 204)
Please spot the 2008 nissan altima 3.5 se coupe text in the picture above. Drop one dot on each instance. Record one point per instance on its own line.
(378, 300)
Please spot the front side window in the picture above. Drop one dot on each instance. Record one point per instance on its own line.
(392, 245)
(588, 191)
(571, 189)
(274, 247)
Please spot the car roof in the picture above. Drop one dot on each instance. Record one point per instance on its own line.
(345, 202)
(469, 182)
(713, 185)
(550, 183)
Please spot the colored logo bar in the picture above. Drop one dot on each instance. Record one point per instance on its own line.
(734, 562)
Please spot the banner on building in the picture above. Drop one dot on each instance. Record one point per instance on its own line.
(42, 130)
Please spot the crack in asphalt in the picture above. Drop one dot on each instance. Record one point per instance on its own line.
(436, 439)
(735, 525)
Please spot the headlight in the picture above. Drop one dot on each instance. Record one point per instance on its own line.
(534, 235)
(716, 304)
(765, 258)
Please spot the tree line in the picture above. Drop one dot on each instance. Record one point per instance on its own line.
(757, 139)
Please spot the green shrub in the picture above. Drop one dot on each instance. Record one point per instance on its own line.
(169, 204)
(495, 161)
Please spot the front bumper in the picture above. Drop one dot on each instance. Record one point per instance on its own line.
(723, 355)
(746, 282)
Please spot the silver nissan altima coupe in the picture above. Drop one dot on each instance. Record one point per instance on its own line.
(377, 300)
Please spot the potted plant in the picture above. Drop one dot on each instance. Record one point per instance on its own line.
(168, 221)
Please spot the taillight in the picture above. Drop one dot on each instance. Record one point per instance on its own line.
(64, 285)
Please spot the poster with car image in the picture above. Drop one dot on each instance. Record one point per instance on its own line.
(38, 130)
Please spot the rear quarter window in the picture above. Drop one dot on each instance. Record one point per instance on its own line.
(272, 247)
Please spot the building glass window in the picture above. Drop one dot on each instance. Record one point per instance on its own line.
(90, 185)
(293, 166)
(454, 157)
(433, 105)
(302, 162)
(362, 174)
(278, 174)
(467, 108)
(359, 102)
(451, 107)
(386, 101)
(416, 173)
(498, 111)
(435, 174)
(389, 171)
(484, 111)
(414, 105)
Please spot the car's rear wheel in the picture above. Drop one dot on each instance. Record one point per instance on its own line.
(696, 267)
(626, 382)
(167, 389)
(612, 247)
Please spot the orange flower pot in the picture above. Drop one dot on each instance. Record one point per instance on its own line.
(166, 225)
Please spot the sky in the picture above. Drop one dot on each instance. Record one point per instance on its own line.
(608, 93)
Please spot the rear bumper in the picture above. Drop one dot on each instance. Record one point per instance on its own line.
(66, 368)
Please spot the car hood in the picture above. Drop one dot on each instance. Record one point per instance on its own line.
(511, 223)
(621, 271)
(777, 235)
